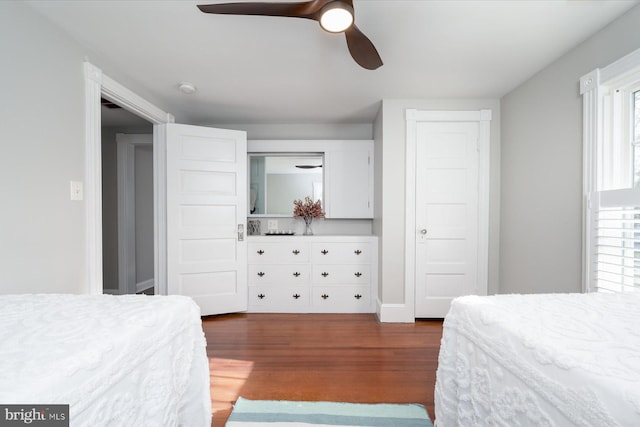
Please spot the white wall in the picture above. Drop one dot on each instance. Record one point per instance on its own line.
(390, 142)
(42, 238)
(541, 212)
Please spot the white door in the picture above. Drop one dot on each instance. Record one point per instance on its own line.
(206, 215)
(446, 214)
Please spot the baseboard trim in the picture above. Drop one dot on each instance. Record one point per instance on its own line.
(143, 286)
(394, 313)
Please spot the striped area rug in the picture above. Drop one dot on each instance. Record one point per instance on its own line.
(275, 413)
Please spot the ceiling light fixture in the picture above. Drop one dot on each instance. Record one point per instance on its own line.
(187, 88)
(336, 17)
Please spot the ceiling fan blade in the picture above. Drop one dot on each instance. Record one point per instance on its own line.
(306, 9)
(362, 49)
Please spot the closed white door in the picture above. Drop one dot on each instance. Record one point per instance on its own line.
(206, 216)
(446, 214)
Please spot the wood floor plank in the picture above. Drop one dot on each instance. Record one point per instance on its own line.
(332, 357)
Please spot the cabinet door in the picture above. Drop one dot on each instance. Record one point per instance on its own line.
(349, 181)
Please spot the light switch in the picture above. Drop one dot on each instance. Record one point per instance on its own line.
(272, 224)
(76, 190)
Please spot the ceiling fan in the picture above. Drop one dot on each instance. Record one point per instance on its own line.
(335, 16)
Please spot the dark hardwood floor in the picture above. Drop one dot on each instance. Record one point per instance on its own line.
(332, 357)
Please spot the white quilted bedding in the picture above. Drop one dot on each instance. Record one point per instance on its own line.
(540, 360)
(130, 360)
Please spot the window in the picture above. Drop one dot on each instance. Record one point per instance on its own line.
(611, 242)
(616, 246)
(635, 99)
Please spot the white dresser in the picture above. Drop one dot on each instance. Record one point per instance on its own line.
(312, 274)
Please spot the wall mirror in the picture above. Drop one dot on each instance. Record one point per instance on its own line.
(277, 179)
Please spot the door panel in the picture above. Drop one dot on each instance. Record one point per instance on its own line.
(446, 214)
(206, 206)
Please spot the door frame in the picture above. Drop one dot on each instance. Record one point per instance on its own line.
(99, 85)
(413, 117)
(127, 144)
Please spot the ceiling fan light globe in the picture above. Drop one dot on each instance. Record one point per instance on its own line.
(336, 17)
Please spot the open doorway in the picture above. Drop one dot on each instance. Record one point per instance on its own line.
(97, 86)
(127, 201)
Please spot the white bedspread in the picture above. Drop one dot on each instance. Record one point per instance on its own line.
(540, 360)
(130, 360)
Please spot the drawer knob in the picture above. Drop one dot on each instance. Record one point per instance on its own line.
(261, 296)
(296, 252)
(357, 274)
(296, 296)
(324, 252)
(357, 296)
(324, 296)
(260, 252)
(260, 273)
(296, 274)
(357, 252)
(325, 274)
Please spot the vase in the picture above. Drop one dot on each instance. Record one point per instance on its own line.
(307, 226)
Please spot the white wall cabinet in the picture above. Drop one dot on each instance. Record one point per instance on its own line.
(349, 181)
(312, 274)
(348, 172)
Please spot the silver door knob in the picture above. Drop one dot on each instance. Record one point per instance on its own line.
(423, 231)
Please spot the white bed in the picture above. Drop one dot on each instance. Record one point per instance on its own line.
(540, 360)
(120, 361)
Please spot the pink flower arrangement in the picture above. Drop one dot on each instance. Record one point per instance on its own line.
(307, 209)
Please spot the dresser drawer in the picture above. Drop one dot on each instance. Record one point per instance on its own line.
(342, 299)
(290, 274)
(278, 252)
(341, 253)
(282, 298)
(312, 274)
(337, 274)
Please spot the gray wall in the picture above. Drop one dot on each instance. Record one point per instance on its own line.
(42, 232)
(541, 211)
(109, 208)
(144, 212)
(390, 140)
(41, 143)
(144, 208)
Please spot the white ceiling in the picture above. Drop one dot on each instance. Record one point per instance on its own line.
(255, 69)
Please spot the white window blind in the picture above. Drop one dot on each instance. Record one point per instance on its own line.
(611, 160)
(616, 241)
